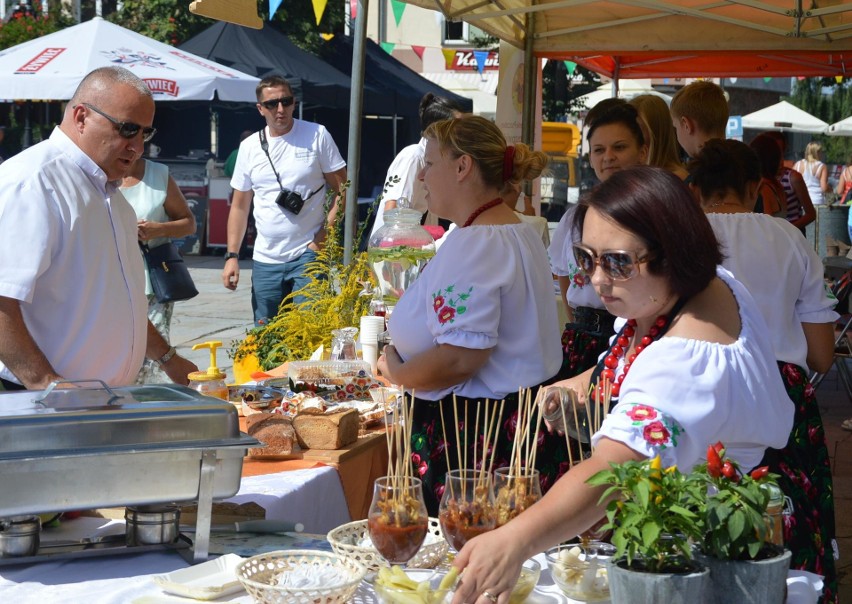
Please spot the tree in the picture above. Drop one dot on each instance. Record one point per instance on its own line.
(561, 89)
(168, 21)
(831, 102)
(27, 22)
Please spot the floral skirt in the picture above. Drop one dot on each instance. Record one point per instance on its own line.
(431, 447)
(160, 314)
(581, 348)
(805, 477)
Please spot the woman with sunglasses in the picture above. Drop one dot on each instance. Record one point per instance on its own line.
(616, 142)
(479, 322)
(691, 364)
(785, 276)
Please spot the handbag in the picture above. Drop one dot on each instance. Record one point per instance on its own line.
(170, 278)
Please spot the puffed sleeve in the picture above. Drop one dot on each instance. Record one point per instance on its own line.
(560, 246)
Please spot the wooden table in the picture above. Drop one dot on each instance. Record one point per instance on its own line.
(358, 464)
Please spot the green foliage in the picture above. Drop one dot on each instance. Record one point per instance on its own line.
(809, 95)
(653, 515)
(560, 93)
(168, 21)
(296, 19)
(22, 28)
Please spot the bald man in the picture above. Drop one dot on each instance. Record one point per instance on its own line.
(72, 285)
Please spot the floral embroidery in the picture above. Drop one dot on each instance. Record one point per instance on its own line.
(578, 278)
(447, 303)
(657, 429)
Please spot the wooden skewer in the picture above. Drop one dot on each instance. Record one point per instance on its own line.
(447, 450)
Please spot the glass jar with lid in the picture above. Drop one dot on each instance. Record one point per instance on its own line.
(399, 250)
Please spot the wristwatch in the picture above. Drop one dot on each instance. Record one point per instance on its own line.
(166, 357)
(229, 255)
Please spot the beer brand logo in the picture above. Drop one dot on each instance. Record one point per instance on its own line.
(40, 60)
(465, 60)
(159, 86)
(135, 58)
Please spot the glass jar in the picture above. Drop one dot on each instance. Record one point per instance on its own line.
(775, 514)
(343, 344)
(209, 384)
(398, 251)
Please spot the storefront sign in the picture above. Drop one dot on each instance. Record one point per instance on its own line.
(466, 60)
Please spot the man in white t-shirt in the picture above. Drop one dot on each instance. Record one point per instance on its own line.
(285, 168)
(72, 283)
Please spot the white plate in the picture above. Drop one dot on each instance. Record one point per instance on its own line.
(206, 581)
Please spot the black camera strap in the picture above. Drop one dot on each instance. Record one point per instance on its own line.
(264, 144)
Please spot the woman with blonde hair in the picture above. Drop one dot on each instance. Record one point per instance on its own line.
(814, 172)
(480, 322)
(656, 124)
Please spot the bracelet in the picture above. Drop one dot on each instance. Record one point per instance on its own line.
(166, 357)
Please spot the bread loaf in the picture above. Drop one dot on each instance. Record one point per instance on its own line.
(318, 430)
(275, 431)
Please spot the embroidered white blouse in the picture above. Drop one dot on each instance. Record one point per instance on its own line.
(782, 272)
(487, 287)
(682, 395)
(580, 292)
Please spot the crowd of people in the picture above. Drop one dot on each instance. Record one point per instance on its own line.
(669, 271)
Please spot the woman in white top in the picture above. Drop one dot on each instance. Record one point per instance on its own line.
(814, 172)
(785, 276)
(162, 213)
(708, 372)
(616, 142)
(478, 321)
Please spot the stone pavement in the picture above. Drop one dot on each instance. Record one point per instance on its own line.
(220, 314)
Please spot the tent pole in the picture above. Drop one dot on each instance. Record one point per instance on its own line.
(28, 128)
(356, 102)
(528, 112)
(395, 134)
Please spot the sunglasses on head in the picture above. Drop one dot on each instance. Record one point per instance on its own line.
(618, 265)
(273, 103)
(125, 129)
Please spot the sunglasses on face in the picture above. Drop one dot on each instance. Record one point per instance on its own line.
(618, 265)
(125, 129)
(273, 103)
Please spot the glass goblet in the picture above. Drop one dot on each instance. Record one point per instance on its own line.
(467, 506)
(514, 491)
(397, 520)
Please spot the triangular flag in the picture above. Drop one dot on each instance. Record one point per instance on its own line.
(353, 9)
(418, 50)
(800, 78)
(838, 79)
(273, 6)
(733, 80)
(481, 56)
(319, 9)
(570, 66)
(767, 78)
(326, 37)
(388, 47)
(449, 55)
(398, 9)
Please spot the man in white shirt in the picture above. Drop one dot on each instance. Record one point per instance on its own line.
(72, 284)
(285, 169)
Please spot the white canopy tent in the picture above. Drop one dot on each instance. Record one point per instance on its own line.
(841, 128)
(627, 89)
(50, 67)
(785, 117)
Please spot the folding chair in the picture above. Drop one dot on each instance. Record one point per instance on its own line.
(841, 289)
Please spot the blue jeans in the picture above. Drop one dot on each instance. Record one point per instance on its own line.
(271, 283)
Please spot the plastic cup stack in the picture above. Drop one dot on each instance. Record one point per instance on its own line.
(371, 328)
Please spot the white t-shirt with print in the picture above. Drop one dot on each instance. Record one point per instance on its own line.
(489, 286)
(302, 157)
(402, 181)
(580, 292)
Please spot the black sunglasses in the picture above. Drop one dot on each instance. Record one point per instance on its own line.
(618, 265)
(273, 103)
(125, 129)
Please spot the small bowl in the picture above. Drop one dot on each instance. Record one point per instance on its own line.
(580, 570)
(19, 536)
(530, 573)
(393, 594)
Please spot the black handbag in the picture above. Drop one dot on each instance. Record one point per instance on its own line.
(170, 278)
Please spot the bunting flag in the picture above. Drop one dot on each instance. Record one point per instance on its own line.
(480, 56)
(398, 9)
(319, 8)
(418, 50)
(388, 47)
(353, 9)
(326, 37)
(800, 78)
(838, 79)
(767, 78)
(733, 80)
(449, 55)
(571, 66)
(273, 7)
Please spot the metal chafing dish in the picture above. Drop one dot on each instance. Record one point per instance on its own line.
(92, 447)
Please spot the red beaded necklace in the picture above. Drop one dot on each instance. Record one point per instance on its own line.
(622, 344)
(486, 206)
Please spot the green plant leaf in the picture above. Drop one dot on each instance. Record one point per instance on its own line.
(736, 525)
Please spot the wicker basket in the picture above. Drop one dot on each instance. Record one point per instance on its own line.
(258, 573)
(345, 539)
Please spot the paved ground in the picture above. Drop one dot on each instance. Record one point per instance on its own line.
(219, 314)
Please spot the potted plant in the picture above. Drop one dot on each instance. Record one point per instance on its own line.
(652, 513)
(737, 541)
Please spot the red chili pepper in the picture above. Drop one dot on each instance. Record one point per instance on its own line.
(719, 447)
(760, 472)
(729, 471)
(714, 462)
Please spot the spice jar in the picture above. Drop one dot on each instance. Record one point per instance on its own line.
(210, 382)
(775, 514)
(399, 250)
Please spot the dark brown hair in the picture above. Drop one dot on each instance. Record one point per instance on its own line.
(271, 81)
(769, 155)
(619, 113)
(722, 165)
(657, 207)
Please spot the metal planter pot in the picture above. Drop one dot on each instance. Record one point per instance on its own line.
(747, 581)
(628, 586)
